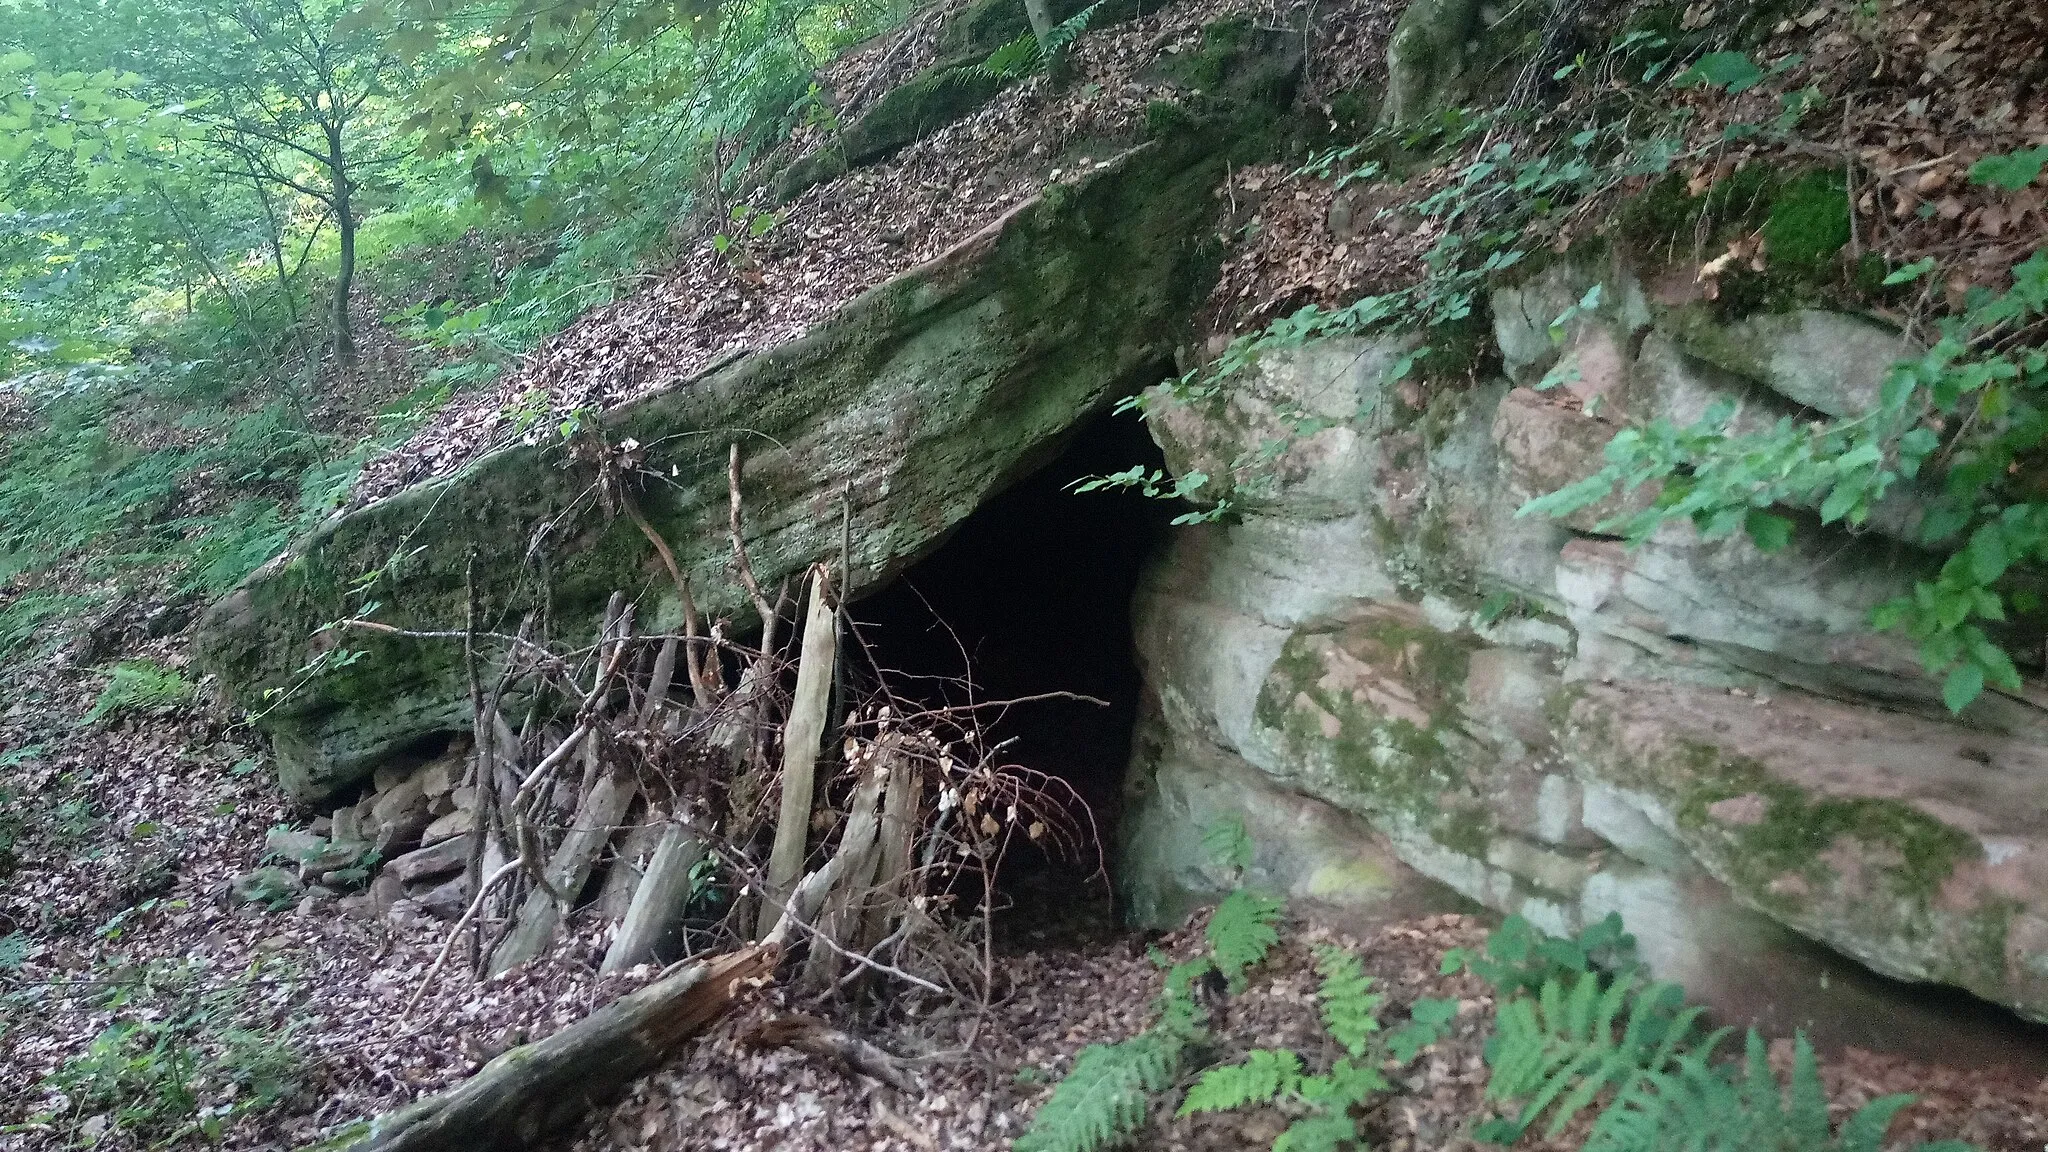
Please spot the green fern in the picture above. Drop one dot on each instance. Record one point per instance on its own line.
(1560, 1049)
(1263, 1076)
(1243, 930)
(1331, 1096)
(1024, 55)
(1351, 1009)
(1016, 59)
(1701, 1105)
(1103, 1100)
(138, 685)
(1069, 30)
(1227, 844)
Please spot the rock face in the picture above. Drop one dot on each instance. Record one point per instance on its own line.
(901, 414)
(1702, 737)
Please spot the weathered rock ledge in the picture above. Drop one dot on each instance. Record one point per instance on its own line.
(1703, 737)
(899, 416)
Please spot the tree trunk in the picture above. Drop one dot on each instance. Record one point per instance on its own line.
(658, 901)
(275, 238)
(596, 819)
(345, 268)
(518, 1098)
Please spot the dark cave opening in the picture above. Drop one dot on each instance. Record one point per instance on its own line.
(1031, 595)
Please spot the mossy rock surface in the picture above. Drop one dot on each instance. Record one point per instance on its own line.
(1368, 708)
(1900, 841)
(917, 401)
(919, 107)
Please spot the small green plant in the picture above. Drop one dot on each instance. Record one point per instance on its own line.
(138, 686)
(1572, 1037)
(1324, 1101)
(747, 224)
(1156, 484)
(180, 1058)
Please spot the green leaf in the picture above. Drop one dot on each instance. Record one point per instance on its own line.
(1732, 71)
(2012, 171)
(1910, 272)
(1965, 683)
(1769, 531)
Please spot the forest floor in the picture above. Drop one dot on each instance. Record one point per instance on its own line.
(120, 839)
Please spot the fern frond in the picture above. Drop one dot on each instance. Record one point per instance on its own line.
(1069, 30)
(1324, 1132)
(1019, 57)
(1350, 1007)
(1561, 1049)
(1227, 844)
(1807, 1114)
(1103, 1099)
(1699, 1104)
(1264, 1075)
(1346, 1084)
(1180, 1014)
(1864, 1132)
(1243, 930)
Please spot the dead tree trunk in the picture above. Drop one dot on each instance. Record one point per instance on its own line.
(596, 818)
(521, 1096)
(853, 868)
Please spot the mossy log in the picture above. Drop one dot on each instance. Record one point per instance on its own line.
(519, 1098)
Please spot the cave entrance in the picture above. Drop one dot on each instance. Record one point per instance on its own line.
(1031, 595)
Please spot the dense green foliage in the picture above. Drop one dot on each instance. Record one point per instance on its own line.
(205, 209)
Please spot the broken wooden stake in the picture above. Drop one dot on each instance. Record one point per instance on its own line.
(658, 900)
(807, 718)
(596, 818)
(853, 866)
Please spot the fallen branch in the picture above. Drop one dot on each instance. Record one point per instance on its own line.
(518, 1098)
(812, 1035)
(476, 902)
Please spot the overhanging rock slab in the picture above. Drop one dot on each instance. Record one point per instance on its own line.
(907, 409)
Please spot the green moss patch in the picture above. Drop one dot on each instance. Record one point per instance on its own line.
(1803, 218)
(1369, 760)
(1798, 828)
